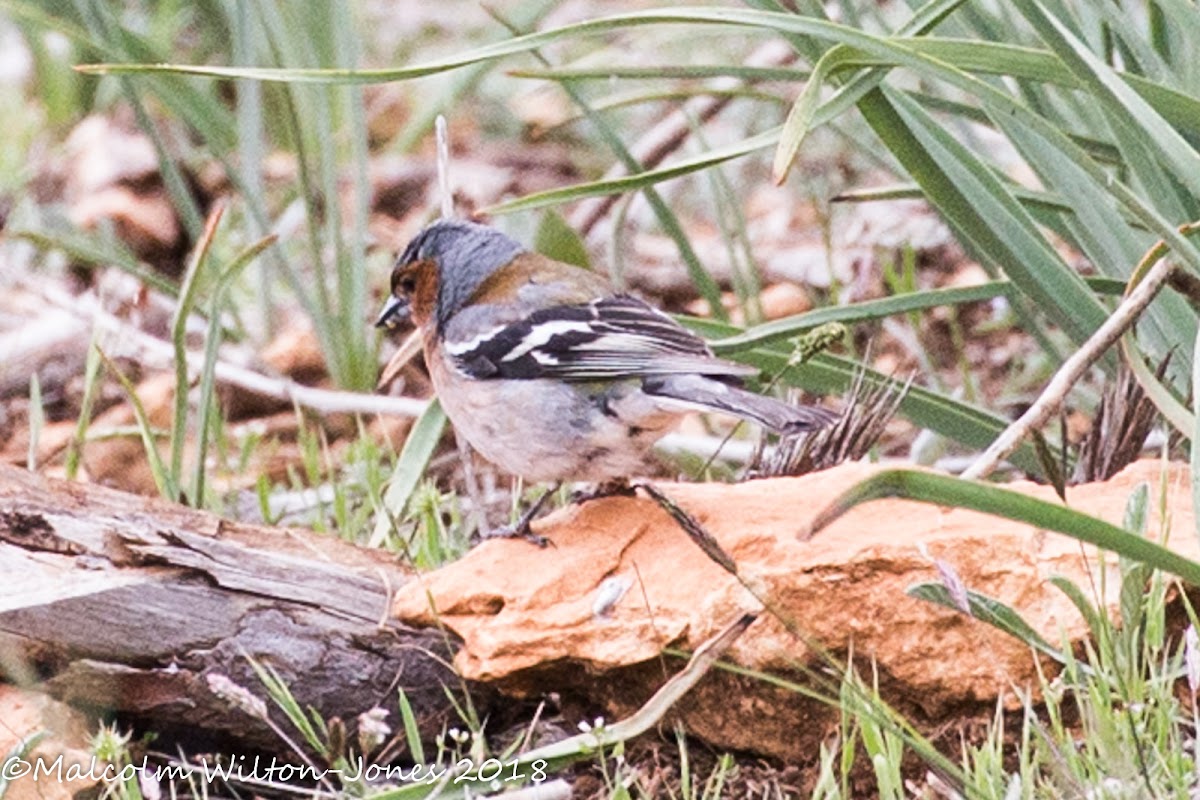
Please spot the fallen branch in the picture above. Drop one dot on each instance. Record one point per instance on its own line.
(1071, 371)
(127, 604)
(125, 340)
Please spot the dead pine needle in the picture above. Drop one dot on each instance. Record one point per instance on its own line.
(695, 531)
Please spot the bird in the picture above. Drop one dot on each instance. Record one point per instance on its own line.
(548, 372)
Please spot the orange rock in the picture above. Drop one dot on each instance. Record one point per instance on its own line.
(24, 714)
(781, 300)
(526, 615)
(296, 353)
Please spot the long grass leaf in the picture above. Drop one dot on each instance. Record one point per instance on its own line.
(1194, 450)
(1080, 600)
(1116, 94)
(991, 611)
(94, 250)
(639, 180)
(418, 448)
(943, 490)
(164, 480)
(662, 72)
(206, 399)
(188, 297)
(982, 209)
(803, 114)
(780, 329)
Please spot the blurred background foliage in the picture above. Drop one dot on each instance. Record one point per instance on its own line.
(1049, 137)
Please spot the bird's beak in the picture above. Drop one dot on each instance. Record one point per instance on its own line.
(395, 311)
(407, 352)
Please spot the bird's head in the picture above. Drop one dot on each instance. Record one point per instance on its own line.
(441, 269)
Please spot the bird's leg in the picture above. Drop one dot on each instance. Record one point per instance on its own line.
(523, 529)
(466, 457)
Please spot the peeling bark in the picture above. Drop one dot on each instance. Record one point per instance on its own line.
(123, 604)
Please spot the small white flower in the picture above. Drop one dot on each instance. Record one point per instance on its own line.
(237, 696)
(1109, 787)
(151, 789)
(372, 729)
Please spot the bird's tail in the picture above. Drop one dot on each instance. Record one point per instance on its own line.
(707, 394)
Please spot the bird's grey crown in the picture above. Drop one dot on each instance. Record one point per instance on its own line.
(466, 253)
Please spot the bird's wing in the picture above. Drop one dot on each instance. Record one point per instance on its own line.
(609, 338)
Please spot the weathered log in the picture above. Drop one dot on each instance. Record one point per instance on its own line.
(125, 604)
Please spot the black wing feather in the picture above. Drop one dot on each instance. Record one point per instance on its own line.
(613, 337)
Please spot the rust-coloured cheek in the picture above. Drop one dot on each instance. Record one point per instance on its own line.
(418, 282)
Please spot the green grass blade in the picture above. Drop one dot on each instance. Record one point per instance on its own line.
(1035, 66)
(188, 297)
(983, 210)
(91, 388)
(943, 490)
(412, 732)
(801, 118)
(94, 250)
(910, 191)
(778, 330)
(206, 402)
(663, 72)
(418, 448)
(1194, 431)
(676, 95)
(19, 750)
(1116, 95)
(991, 611)
(640, 180)
(164, 481)
(1080, 600)
(558, 240)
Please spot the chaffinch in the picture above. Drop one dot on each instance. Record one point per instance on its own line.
(546, 371)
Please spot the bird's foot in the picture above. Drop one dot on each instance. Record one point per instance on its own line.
(523, 527)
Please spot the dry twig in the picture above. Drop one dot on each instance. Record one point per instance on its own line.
(1072, 370)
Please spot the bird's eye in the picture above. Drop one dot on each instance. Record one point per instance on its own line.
(407, 284)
